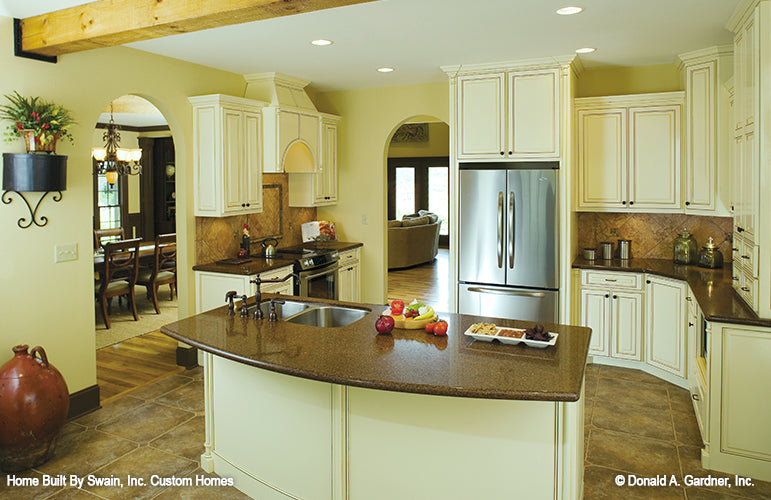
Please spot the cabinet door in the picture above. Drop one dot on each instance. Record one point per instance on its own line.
(654, 157)
(750, 181)
(481, 102)
(344, 285)
(288, 132)
(738, 179)
(325, 182)
(626, 325)
(701, 138)
(602, 172)
(355, 282)
(596, 315)
(232, 139)
(533, 114)
(212, 287)
(252, 161)
(310, 133)
(665, 325)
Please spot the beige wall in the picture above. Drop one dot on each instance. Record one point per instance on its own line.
(370, 117)
(618, 80)
(49, 304)
(438, 144)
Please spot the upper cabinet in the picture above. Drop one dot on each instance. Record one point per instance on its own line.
(629, 152)
(509, 115)
(292, 139)
(318, 188)
(227, 155)
(706, 185)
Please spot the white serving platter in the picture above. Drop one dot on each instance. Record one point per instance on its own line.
(513, 340)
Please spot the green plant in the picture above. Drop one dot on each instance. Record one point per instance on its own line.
(47, 119)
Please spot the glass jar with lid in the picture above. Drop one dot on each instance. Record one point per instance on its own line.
(685, 248)
(710, 256)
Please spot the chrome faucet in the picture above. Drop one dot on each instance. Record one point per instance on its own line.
(258, 314)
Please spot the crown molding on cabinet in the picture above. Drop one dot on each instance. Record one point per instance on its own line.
(703, 55)
(454, 70)
(742, 12)
(654, 98)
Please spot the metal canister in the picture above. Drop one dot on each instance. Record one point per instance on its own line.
(624, 249)
(606, 250)
(589, 253)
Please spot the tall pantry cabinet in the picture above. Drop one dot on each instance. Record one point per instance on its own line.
(751, 25)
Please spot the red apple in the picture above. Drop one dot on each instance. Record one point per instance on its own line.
(384, 324)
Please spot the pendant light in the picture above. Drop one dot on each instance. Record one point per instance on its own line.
(113, 160)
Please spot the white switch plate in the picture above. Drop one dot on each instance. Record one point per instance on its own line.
(364, 219)
(66, 252)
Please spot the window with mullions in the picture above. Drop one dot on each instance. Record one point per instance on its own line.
(107, 204)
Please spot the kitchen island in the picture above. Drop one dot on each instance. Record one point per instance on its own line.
(309, 412)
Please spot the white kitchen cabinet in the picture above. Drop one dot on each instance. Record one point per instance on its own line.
(629, 153)
(348, 276)
(284, 128)
(615, 315)
(706, 137)
(698, 364)
(739, 406)
(318, 188)
(509, 115)
(227, 155)
(212, 287)
(665, 324)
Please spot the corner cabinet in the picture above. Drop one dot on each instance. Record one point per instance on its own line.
(629, 152)
(318, 188)
(348, 276)
(509, 115)
(227, 155)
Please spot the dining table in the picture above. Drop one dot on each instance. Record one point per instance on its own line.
(146, 255)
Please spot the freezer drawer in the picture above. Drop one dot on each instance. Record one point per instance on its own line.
(509, 302)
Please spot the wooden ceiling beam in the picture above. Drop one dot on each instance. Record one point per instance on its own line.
(105, 23)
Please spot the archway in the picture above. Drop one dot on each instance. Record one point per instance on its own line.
(418, 176)
(141, 205)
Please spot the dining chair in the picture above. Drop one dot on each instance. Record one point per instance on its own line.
(114, 234)
(164, 268)
(119, 275)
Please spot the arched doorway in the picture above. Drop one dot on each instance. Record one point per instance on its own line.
(141, 205)
(418, 177)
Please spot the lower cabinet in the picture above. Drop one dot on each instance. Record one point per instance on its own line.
(665, 320)
(616, 319)
(348, 276)
(212, 287)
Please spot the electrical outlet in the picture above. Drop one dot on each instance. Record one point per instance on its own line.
(66, 252)
(364, 219)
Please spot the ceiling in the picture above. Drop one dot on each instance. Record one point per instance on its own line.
(416, 37)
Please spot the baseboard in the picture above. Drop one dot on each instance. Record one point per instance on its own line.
(84, 401)
(187, 357)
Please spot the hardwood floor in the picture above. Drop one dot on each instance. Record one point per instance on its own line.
(134, 363)
(429, 283)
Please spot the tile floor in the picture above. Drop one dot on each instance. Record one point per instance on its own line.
(634, 424)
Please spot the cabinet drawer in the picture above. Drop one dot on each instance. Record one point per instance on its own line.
(349, 256)
(615, 280)
(276, 273)
(747, 257)
(749, 290)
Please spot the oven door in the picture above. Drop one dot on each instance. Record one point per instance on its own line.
(320, 282)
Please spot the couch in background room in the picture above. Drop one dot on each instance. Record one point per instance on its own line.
(413, 240)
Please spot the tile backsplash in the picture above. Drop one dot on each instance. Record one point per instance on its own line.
(652, 235)
(218, 238)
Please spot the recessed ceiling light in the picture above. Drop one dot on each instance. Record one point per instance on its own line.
(321, 42)
(385, 70)
(585, 50)
(568, 11)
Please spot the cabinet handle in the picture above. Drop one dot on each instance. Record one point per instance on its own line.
(744, 288)
(687, 203)
(735, 249)
(735, 278)
(695, 397)
(607, 295)
(745, 256)
(740, 229)
(688, 299)
(610, 280)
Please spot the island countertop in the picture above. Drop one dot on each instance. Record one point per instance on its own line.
(404, 361)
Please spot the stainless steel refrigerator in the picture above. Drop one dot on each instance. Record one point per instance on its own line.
(509, 240)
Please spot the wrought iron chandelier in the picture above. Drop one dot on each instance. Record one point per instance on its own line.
(113, 160)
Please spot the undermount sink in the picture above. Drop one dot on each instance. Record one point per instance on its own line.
(288, 308)
(326, 316)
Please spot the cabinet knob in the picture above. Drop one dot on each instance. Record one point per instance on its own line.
(607, 295)
(695, 397)
(631, 203)
(648, 281)
(243, 204)
(690, 324)
(687, 203)
(623, 203)
(511, 153)
(615, 296)
(502, 153)
(248, 205)
(735, 278)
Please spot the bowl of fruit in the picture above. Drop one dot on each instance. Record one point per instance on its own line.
(413, 316)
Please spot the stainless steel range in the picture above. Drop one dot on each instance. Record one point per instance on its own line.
(317, 270)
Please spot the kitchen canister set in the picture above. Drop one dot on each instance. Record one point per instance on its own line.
(624, 251)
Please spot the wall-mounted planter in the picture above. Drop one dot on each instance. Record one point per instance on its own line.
(33, 172)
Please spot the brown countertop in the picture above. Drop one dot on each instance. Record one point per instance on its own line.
(712, 288)
(256, 264)
(404, 360)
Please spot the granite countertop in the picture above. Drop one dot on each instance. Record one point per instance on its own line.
(256, 264)
(713, 288)
(404, 360)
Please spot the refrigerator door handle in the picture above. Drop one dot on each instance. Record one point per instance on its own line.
(511, 230)
(498, 291)
(500, 229)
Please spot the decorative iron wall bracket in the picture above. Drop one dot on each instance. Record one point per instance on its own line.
(22, 222)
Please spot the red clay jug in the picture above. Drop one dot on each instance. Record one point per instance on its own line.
(34, 401)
